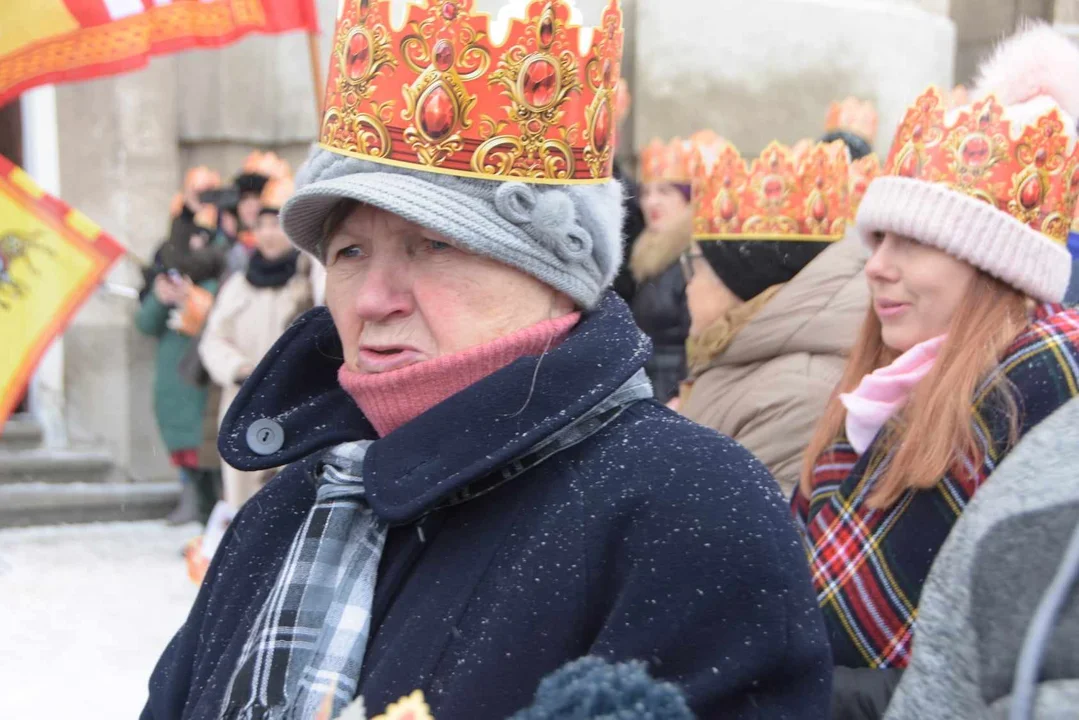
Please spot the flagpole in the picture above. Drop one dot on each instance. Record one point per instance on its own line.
(316, 74)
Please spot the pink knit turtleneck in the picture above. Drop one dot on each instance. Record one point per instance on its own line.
(391, 399)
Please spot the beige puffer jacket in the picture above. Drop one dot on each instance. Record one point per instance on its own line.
(244, 324)
(769, 386)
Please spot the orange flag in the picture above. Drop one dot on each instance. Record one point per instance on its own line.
(51, 259)
(52, 41)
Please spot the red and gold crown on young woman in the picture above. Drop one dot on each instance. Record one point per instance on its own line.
(439, 94)
(674, 161)
(783, 194)
(1032, 174)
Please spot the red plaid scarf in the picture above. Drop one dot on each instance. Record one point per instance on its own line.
(869, 565)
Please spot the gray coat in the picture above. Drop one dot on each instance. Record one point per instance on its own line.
(990, 589)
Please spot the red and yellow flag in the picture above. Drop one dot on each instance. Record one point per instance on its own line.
(51, 258)
(52, 41)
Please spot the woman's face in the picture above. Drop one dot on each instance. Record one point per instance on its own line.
(400, 294)
(916, 289)
(661, 203)
(248, 211)
(270, 239)
(707, 297)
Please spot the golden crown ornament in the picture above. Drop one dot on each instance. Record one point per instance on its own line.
(438, 94)
(783, 194)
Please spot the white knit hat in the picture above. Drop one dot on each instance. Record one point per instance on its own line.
(993, 183)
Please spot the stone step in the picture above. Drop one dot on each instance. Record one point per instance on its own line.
(52, 465)
(20, 433)
(43, 503)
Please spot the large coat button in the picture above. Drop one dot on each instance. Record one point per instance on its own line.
(265, 437)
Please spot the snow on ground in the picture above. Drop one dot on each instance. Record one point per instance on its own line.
(85, 611)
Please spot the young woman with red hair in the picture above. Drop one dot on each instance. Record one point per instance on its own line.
(964, 349)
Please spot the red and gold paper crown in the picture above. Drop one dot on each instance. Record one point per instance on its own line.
(267, 164)
(1030, 170)
(675, 161)
(862, 172)
(277, 191)
(778, 196)
(854, 116)
(440, 95)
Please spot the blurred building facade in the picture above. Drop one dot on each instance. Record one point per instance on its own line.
(752, 71)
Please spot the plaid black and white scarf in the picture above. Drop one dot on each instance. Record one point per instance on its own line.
(311, 634)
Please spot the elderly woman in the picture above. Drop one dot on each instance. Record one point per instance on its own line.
(479, 487)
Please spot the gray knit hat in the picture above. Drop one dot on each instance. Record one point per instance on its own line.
(567, 236)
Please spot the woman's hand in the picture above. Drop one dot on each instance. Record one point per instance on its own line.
(164, 289)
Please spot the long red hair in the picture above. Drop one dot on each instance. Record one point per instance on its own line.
(935, 430)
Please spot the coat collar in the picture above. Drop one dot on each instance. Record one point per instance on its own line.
(656, 250)
(461, 440)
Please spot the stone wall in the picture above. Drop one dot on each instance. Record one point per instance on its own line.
(758, 71)
(983, 22)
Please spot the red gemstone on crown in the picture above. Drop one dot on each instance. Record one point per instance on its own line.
(773, 188)
(443, 55)
(726, 206)
(365, 5)
(975, 151)
(916, 133)
(540, 83)
(908, 165)
(1030, 192)
(820, 209)
(546, 31)
(602, 132)
(860, 187)
(1040, 156)
(449, 11)
(607, 72)
(358, 59)
(437, 113)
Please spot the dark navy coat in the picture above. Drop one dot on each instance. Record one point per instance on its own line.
(654, 539)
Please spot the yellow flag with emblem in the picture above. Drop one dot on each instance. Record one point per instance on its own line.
(51, 259)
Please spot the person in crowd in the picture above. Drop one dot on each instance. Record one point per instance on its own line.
(999, 615)
(480, 486)
(964, 351)
(252, 311)
(659, 298)
(772, 318)
(258, 169)
(189, 260)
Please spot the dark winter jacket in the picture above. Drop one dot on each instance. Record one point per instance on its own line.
(179, 406)
(659, 303)
(652, 539)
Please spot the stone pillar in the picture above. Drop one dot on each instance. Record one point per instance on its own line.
(767, 70)
(119, 164)
(981, 24)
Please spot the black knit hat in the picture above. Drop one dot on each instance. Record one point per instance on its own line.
(749, 267)
(251, 183)
(858, 146)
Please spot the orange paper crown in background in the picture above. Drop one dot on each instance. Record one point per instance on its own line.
(1029, 171)
(776, 197)
(276, 192)
(267, 164)
(675, 161)
(440, 94)
(854, 116)
(862, 172)
(201, 178)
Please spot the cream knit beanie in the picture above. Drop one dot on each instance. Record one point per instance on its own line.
(993, 183)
